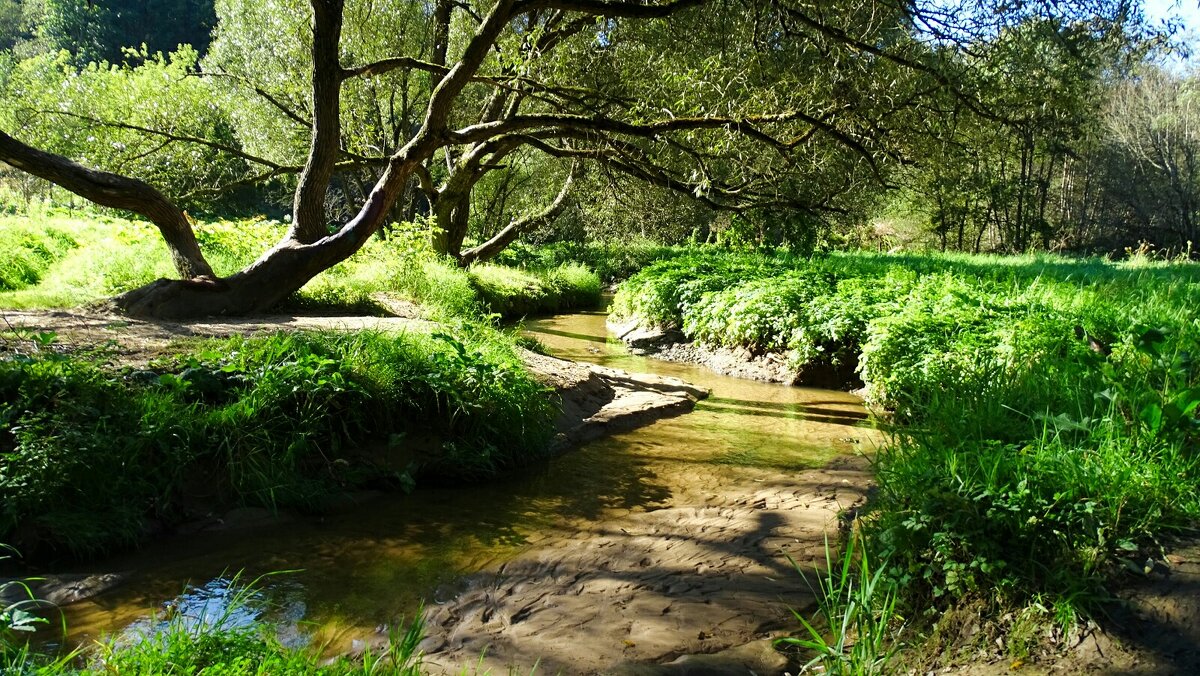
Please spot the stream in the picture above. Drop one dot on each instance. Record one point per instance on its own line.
(353, 573)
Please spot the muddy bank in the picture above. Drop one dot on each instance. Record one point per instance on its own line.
(708, 573)
(1151, 627)
(736, 362)
(595, 400)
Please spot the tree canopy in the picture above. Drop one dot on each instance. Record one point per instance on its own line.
(785, 111)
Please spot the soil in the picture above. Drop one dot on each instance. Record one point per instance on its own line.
(1152, 628)
(700, 586)
(738, 362)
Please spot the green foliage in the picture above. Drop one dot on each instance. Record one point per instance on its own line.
(99, 31)
(97, 115)
(16, 617)
(221, 643)
(667, 292)
(71, 261)
(513, 292)
(91, 451)
(28, 252)
(612, 260)
(856, 625)
(1046, 407)
(55, 260)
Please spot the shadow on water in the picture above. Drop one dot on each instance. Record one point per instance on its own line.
(375, 563)
(573, 336)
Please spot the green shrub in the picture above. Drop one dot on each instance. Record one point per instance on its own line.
(513, 292)
(26, 253)
(611, 260)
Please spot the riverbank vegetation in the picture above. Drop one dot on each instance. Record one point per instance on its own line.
(1044, 409)
(99, 453)
(232, 638)
(510, 158)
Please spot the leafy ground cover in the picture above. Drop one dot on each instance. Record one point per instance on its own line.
(1044, 408)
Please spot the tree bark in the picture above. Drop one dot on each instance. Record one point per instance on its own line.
(309, 222)
(118, 192)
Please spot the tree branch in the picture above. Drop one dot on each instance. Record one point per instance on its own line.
(170, 136)
(514, 229)
(387, 65)
(608, 8)
(116, 191)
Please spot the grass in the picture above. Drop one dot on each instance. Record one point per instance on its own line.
(1043, 409)
(612, 261)
(857, 622)
(217, 643)
(53, 259)
(93, 452)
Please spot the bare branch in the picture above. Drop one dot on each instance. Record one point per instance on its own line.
(387, 65)
(274, 101)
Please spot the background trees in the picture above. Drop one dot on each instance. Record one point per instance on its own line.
(780, 119)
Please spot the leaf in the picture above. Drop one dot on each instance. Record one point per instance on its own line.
(1152, 415)
(1151, 341)
(25, 621)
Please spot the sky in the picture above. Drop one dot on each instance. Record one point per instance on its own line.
(1187, 10)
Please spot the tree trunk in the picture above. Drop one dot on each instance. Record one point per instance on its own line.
(309, 222)
(118, 192)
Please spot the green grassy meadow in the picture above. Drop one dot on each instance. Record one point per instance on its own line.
(57, 260)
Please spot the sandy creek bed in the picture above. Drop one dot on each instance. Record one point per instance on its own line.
(639, 547)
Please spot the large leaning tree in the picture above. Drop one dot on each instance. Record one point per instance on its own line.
(742, 104)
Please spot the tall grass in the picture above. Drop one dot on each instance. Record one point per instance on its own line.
(84, 259)
(1043, 408)
(857, 622)
(91, 452)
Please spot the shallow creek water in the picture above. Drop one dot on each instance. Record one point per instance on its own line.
(374, 564)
